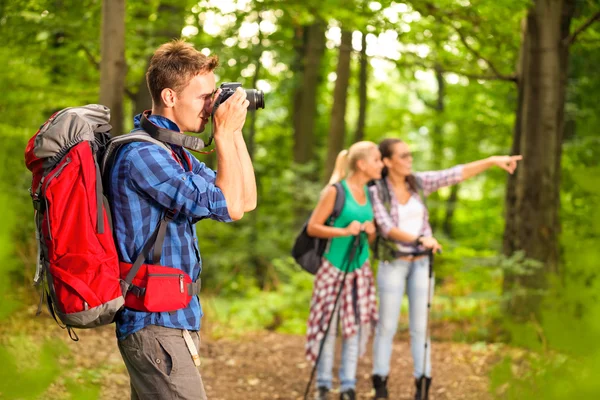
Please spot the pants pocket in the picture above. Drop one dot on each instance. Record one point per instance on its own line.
(164, 356)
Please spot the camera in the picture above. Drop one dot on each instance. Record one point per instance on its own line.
(254, 96)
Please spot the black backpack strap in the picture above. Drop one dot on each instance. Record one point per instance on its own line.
(384, 193)
(340, 199)
(419, 188)
(155, 242)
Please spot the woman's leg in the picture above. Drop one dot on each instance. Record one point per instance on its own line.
(350, 349)
(417, 289)
(325, 366)
(391, 281)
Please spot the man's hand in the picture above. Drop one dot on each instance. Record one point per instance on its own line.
(231, 115)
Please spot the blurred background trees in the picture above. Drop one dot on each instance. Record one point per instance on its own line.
(457, 80)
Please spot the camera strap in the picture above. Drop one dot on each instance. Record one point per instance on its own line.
(171, 137)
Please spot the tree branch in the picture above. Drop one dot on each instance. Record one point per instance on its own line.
(427, 103)
(573, 37)
(130, 94)
(96, 63)
(90, 56)
(477, 54)
(423, 63)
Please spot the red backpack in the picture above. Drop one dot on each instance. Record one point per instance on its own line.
(82, 280)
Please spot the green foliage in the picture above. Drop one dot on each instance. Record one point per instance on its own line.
(564, 342)
(28, 368)
(50, 55)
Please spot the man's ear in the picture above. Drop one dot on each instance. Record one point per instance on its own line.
(169, 97)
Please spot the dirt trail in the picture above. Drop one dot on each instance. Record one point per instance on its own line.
(271, 365)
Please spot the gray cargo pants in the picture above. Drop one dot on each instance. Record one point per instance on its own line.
(160, 365)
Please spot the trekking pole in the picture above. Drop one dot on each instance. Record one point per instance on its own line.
(352, 252)
(423, 381)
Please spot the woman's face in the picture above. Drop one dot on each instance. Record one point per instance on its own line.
(400, 162)
(372, 165)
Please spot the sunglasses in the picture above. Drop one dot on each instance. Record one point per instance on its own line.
(405, 156)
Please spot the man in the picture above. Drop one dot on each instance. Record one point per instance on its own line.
(146, 180)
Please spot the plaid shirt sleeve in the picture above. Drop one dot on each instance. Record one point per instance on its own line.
(156, 174)
(430, 181)
(382, 217)
(199, 168)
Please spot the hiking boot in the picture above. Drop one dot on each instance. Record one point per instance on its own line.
(380, 386)
(322, 392)
(349, 394)
(422, 383)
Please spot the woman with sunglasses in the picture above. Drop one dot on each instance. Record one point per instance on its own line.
(403, 223)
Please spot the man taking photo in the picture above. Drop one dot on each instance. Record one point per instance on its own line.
(148, 182)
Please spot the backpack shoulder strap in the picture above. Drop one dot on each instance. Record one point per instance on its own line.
(340, 199)
(384, 193)
(419, 184)
(116, 143)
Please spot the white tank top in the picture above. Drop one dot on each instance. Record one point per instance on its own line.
(410, 216)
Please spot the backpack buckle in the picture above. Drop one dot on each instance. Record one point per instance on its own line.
(170, 214)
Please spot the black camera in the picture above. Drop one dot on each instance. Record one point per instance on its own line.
(254, 96)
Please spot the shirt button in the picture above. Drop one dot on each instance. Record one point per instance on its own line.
(158, 360)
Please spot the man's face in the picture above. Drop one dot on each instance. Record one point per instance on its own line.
(193, 105)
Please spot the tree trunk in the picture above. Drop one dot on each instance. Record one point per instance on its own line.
(112, 65)
(168, 25)
(532, 221)
(362, 90)
(261, 268)
(305, 99)
(337, 128)
(435, 202)
(450, 208)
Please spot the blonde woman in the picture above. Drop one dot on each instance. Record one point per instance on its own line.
(356, 309)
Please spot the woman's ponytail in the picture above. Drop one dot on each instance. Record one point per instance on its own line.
(341, 167)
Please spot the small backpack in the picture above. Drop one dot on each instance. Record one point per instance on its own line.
(78, 268)
(308, 250)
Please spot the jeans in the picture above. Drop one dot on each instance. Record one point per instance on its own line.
(350, 349)
(392, 279)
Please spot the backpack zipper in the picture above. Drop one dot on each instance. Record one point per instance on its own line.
(180, 276)
(56, 174)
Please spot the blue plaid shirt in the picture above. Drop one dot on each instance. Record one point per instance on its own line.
(145, 180)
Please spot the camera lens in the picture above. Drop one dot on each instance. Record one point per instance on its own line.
(256, 99)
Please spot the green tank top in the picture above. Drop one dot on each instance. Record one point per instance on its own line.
(339, 247)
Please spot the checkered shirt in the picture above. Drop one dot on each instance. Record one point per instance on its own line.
(326, 287)
(429, 182)
(147, 179)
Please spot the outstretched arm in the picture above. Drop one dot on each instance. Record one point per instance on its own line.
(507, 163)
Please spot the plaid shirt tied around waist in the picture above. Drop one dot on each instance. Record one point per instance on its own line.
(356, 312)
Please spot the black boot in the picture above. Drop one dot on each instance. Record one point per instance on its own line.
(380, 386)
(422, 385)
(322, 393)
(349, 394)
